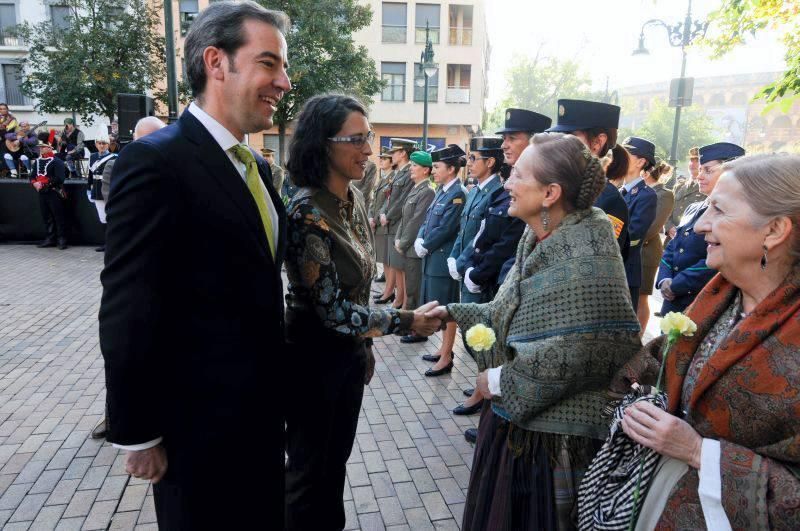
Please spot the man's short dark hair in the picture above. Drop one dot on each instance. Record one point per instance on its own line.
(222, 25)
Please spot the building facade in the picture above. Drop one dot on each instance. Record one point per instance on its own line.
(13, 50)
(728, 100)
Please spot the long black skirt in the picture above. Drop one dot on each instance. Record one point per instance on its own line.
(519, 489)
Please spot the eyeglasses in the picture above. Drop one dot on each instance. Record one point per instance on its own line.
(356, 140)
(473, 158)
(709, 170)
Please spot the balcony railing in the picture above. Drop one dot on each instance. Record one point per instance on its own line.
(7, 38)
(394, 34)
(419, 35)
(460, 36)
(457, 95)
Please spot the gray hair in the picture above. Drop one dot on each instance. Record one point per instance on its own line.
(220, 26)
(147, 125)
(771, 185)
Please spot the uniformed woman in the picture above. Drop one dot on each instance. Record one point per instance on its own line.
(381, 191)
(435, 242)
(414, 209)
(652, 247)
(401, 149)
(683, 271)
(596, 125)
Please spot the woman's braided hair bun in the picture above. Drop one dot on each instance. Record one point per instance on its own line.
(594, 180)
(563, 159)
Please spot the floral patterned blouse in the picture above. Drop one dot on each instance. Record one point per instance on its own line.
(330, 262)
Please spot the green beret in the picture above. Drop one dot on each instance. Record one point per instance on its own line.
(423, 158)
(69, 121)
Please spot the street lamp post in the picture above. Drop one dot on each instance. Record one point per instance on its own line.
(172, 85)
(680, 36)
(428, 69)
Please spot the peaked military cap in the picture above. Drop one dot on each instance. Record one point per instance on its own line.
(523, 120)
(485, 143)
(579, 115)
(396, 144)
(448, 153)
(385, 153)
(720, 151)
(267, 151)
(641, 148)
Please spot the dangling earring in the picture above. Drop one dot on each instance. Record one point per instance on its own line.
(545, 219)
(764, 258)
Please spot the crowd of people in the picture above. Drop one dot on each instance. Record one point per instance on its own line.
(554, 248)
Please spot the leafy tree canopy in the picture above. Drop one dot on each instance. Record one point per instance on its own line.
(108, 47)
(736, 20)
(696, 129)
(537, 83)
(322, 54)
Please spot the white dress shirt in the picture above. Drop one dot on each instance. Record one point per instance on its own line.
(226, 141)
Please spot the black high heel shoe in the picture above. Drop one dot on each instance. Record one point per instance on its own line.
(387, 300)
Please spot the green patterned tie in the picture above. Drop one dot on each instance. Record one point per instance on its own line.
(257, 189)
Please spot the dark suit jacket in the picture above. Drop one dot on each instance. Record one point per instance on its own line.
(191, 318)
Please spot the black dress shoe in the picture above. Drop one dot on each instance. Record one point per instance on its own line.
(413, 338)
(47, 243)
(469, 392)
(468, 410)
(100, 431)
(381, 278)
(387, 300)
(444, 370)
(431, 357)
(62, 244)
(101, 249)
(471, 435)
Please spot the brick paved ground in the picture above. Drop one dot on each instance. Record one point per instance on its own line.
(409, 468)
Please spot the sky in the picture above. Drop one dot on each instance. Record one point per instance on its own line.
(602, 35)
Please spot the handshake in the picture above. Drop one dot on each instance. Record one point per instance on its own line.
(429, 318)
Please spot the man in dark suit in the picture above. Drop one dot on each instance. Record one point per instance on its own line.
(191, 319)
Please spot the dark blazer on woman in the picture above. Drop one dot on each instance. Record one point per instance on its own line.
(191, 328)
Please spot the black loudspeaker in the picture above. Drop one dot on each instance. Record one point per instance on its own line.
(131, 108)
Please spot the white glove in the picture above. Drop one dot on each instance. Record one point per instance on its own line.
(419, 249)
(473, 288)
(451, 265)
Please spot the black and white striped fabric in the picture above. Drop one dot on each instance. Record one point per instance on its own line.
(606, 495)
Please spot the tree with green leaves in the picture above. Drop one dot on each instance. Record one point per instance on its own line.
(323, 56)
(107, 47)
(537, 83)
(696, 129)
(736, 20)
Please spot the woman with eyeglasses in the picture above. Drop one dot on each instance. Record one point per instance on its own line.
(330, 263)
(683, 271)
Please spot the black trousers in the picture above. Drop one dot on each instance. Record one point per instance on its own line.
(321, 426)
(52, 206)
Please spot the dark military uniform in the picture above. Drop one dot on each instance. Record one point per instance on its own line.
(439, 233)
(51, 172)
(415, 211)
(381, 231)
(684, 260)
(642, 202)
(473, 216)
(686, 194)
(581, 115)
(496, 245)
